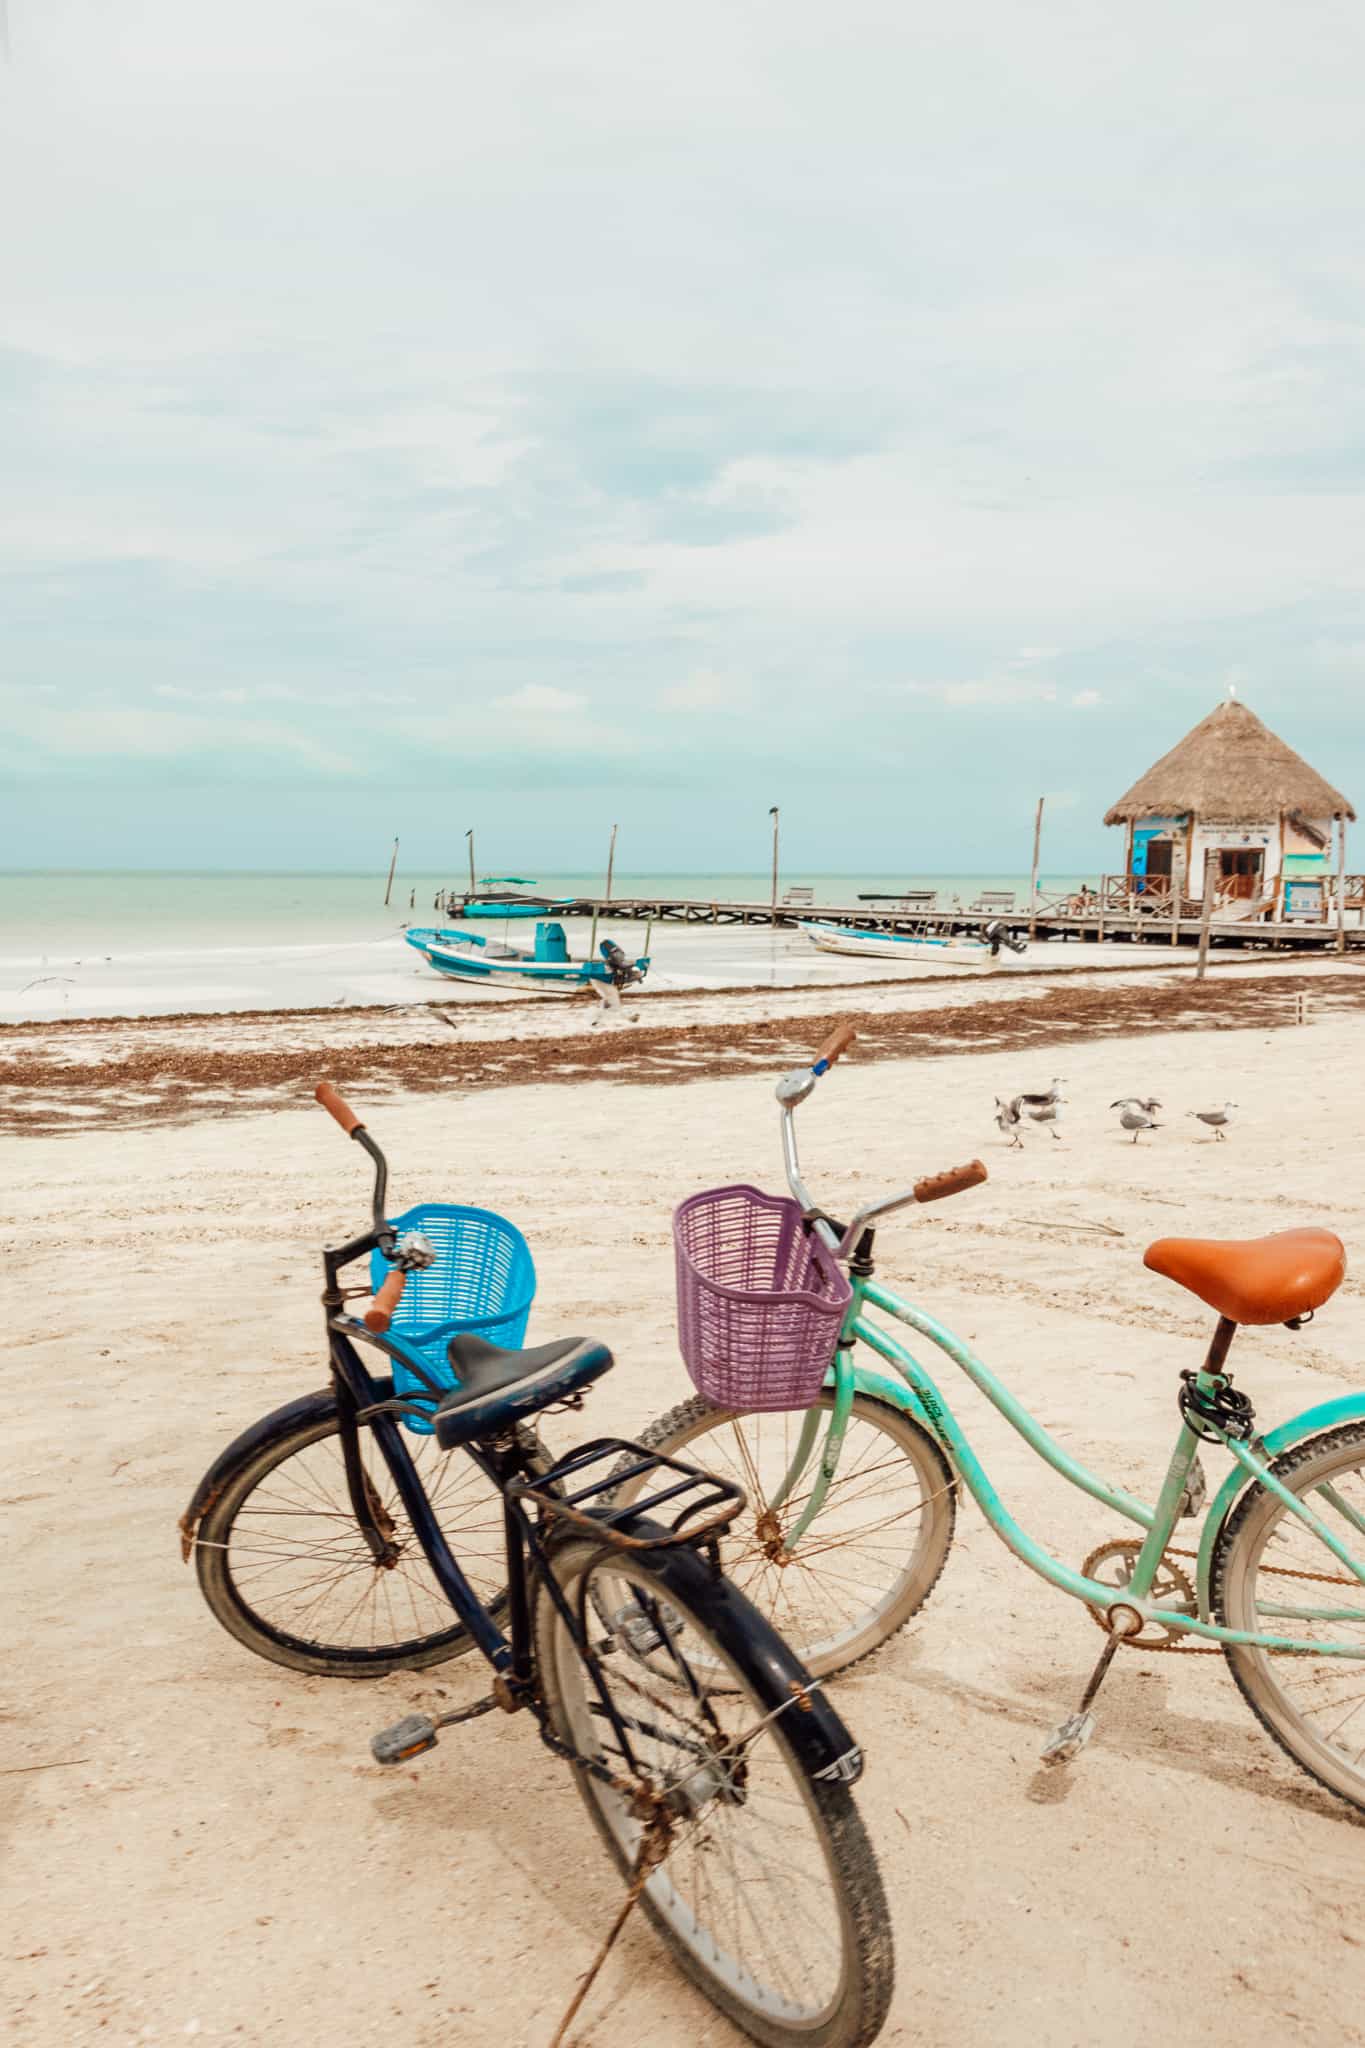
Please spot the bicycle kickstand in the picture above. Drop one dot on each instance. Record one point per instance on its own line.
(1068, 1739)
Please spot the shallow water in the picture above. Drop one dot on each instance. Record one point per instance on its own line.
(83, 945)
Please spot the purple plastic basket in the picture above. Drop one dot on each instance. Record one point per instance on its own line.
(760, 1299)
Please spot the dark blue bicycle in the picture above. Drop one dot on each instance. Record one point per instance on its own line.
(712, 1765)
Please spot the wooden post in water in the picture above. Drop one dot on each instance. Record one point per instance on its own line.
(1033, 877)
(1341, 881)
(611, 859)
(1205, 913)
(388, 886)
(469, 835)
(773, 814)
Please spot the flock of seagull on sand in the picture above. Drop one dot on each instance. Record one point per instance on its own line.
(1137, 1113)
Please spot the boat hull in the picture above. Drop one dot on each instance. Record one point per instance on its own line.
(507, 909)
(867, 945)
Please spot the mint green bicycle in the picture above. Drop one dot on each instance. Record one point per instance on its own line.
(852, 1502)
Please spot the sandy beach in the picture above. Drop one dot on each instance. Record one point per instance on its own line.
(199, 1843)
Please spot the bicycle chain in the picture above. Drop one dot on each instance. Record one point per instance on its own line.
(1180, 1647)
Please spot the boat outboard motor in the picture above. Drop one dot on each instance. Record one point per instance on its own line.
(996, 936)
(622, 973)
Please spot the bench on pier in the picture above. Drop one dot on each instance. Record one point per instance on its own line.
(994, 903)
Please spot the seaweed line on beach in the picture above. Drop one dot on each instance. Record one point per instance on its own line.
(160, 1082)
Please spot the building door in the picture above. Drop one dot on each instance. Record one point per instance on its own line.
(1240, 871)
(1159, 857)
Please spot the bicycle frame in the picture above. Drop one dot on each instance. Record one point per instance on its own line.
(511, 1654)
(914, 1391)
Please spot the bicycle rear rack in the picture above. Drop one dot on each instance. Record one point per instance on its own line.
(705, 1504)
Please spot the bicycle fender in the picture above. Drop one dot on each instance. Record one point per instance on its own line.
(1326, 1415)
(822, 1743)
(895, 1393)
(307, 1408)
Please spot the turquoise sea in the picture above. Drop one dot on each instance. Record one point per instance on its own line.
(146, 943)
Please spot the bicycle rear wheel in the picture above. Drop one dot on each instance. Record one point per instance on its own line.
(1272, 1574)
(286, 1570)
(769, 1894)
(873, 1554)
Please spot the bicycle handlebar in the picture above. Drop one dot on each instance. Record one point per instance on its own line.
(954, 1182)
(341, 1110)
(327, 1095)
(380, 1313)
(792, 1090)
(838, 1042)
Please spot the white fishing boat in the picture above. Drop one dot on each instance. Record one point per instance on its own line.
(951, 950)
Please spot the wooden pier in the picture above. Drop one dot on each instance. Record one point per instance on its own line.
(1115, 912)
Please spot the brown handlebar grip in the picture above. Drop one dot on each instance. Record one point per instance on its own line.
(953, 1182)
(380, 1314)
(839, 1041)
(326, 1094)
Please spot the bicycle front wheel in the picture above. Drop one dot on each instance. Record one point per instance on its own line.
(873, 1554)
(284, 1567)
(1272, 1574)
(769, 1893)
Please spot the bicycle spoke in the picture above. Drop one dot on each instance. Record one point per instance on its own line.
(300, 1566)
(745, 1883)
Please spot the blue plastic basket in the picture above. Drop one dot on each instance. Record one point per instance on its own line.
(484, 1280)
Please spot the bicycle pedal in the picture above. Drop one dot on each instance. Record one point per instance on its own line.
(1067, 1741)
(410, 1737)
(639, 1632)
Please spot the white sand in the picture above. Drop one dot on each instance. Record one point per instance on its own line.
(224, 1861)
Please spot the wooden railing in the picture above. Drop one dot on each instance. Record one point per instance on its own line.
(1153, 896)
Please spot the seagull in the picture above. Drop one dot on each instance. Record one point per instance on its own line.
(1148, 1104)
(1216, 1119)
(1136, 1120)
(1007, 1116)
(1043, 1112)
(1031, 1102)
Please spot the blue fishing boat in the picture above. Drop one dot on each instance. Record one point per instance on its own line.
(468, 956)
(504, 906)
(490, 900)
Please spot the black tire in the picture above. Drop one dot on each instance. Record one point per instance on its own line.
(387, 1619)
(925, 1511)
(1287, 1691)
(835, 1845)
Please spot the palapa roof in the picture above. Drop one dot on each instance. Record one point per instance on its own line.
(1231, 770)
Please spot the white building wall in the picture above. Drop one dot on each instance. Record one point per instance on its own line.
(1214, 838)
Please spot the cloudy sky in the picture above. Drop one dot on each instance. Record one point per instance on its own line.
(425, 413)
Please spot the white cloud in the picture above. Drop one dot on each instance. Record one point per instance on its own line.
(99, 731)
(294, 402)
(706, 689)
(541, 700)
(988, 690)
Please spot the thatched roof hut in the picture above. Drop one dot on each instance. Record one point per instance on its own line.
(1232, 804)
(1231, 770)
